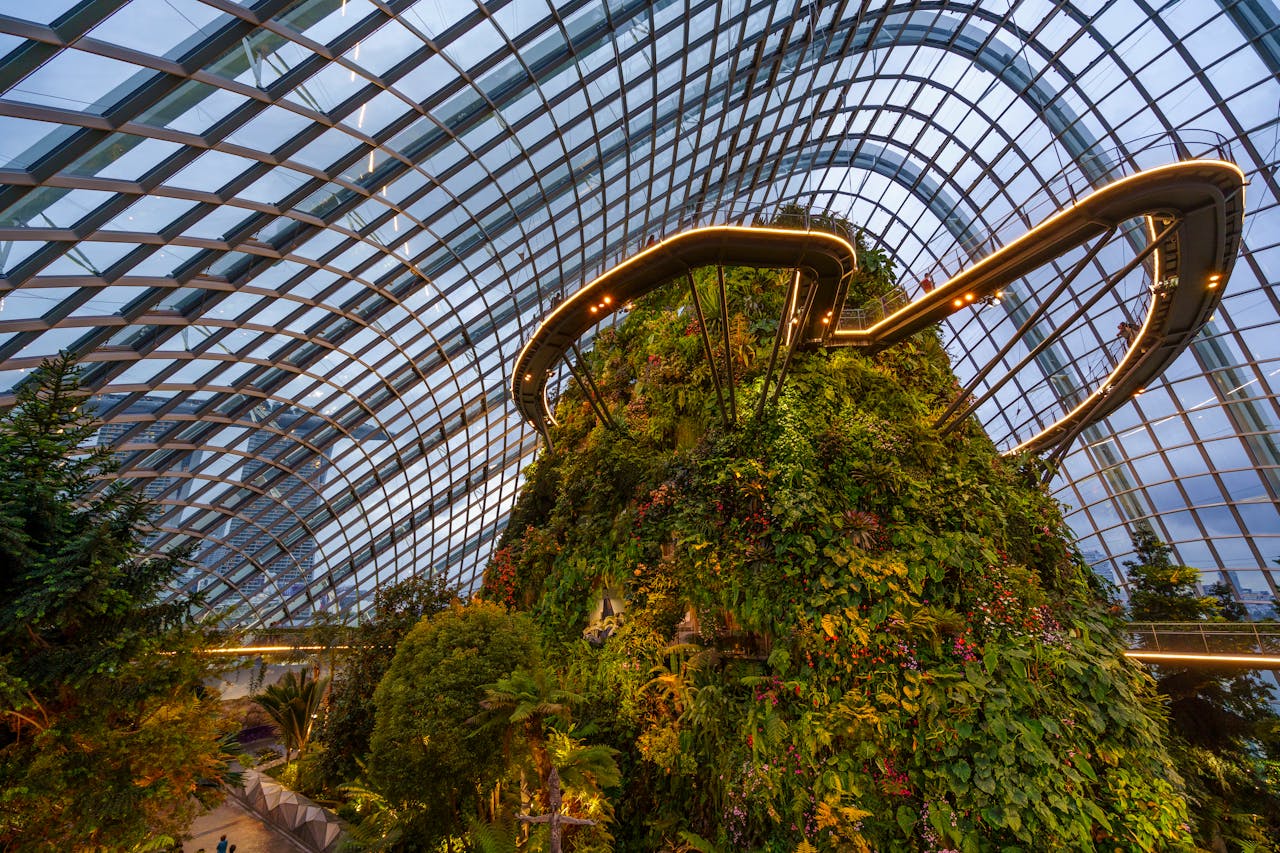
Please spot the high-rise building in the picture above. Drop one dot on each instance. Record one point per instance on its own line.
(296, 225)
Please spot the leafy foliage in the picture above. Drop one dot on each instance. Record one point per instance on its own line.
(844, 631)
(293, 703)
(425, 759)
(348, 723)
(1226, 736)
(107, 737)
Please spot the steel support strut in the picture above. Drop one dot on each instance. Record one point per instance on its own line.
(1058, 330)
(728, 356)
(706, 344)
(589, 389)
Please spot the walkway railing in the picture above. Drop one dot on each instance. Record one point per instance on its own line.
(679, 218)
(1072, 183)
(1253, 643)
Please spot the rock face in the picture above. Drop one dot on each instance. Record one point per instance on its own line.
(885, 639)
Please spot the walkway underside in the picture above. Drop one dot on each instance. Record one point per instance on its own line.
(1193, 212)
(820, 257)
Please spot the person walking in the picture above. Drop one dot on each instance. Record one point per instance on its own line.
(222, 844)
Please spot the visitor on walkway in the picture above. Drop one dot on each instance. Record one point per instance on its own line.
(222, 844)
(1128, 332)
(926, 283)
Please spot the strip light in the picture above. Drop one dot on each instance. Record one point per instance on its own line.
(1259, 661)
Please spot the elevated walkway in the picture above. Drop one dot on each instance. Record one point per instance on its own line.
(1251, 645)
(823, 260)
(1193, 212)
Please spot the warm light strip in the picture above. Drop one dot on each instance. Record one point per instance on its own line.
(1260, 661)
(260, 650)
(584, 293)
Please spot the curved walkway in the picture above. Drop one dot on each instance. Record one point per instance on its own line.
(824, 259)
(1194, 213)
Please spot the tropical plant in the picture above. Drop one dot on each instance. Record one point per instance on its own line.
(525, 701)
(108, 737)
(293, 703)
(428, 761)
(378, 826)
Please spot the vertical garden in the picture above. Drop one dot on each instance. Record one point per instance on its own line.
(832, 628)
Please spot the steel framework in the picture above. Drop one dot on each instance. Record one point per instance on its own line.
(298, 242)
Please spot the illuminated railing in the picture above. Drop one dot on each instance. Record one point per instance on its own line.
(1072, 183)
(1254, 644)
(697, 215)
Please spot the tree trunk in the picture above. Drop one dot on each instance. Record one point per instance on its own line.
(538, 746)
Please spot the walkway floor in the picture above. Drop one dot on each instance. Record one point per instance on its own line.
(242, 827)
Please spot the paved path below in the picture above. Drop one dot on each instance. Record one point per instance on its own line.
(242, 827)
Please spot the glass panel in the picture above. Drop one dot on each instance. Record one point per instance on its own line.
(74, 80)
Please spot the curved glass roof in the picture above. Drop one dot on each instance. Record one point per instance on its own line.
(299, 242)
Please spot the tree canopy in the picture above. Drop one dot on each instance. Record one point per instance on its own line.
(348, 723)
(1226, 735)
(106, 733)
(425, 759)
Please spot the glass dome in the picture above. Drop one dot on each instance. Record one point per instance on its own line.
(299, 243)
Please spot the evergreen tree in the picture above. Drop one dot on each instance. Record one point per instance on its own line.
(349, 721)
(1226, 737)
(106, 734)
(1161, 590)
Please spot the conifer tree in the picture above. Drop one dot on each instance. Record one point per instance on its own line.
(106, 733)
(1161, 590)
(1226, 737)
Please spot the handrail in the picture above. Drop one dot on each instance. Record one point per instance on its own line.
(1074, 182)
(1249, 644)
(1253, 643)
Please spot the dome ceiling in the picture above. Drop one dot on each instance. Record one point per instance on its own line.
(298, 245)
